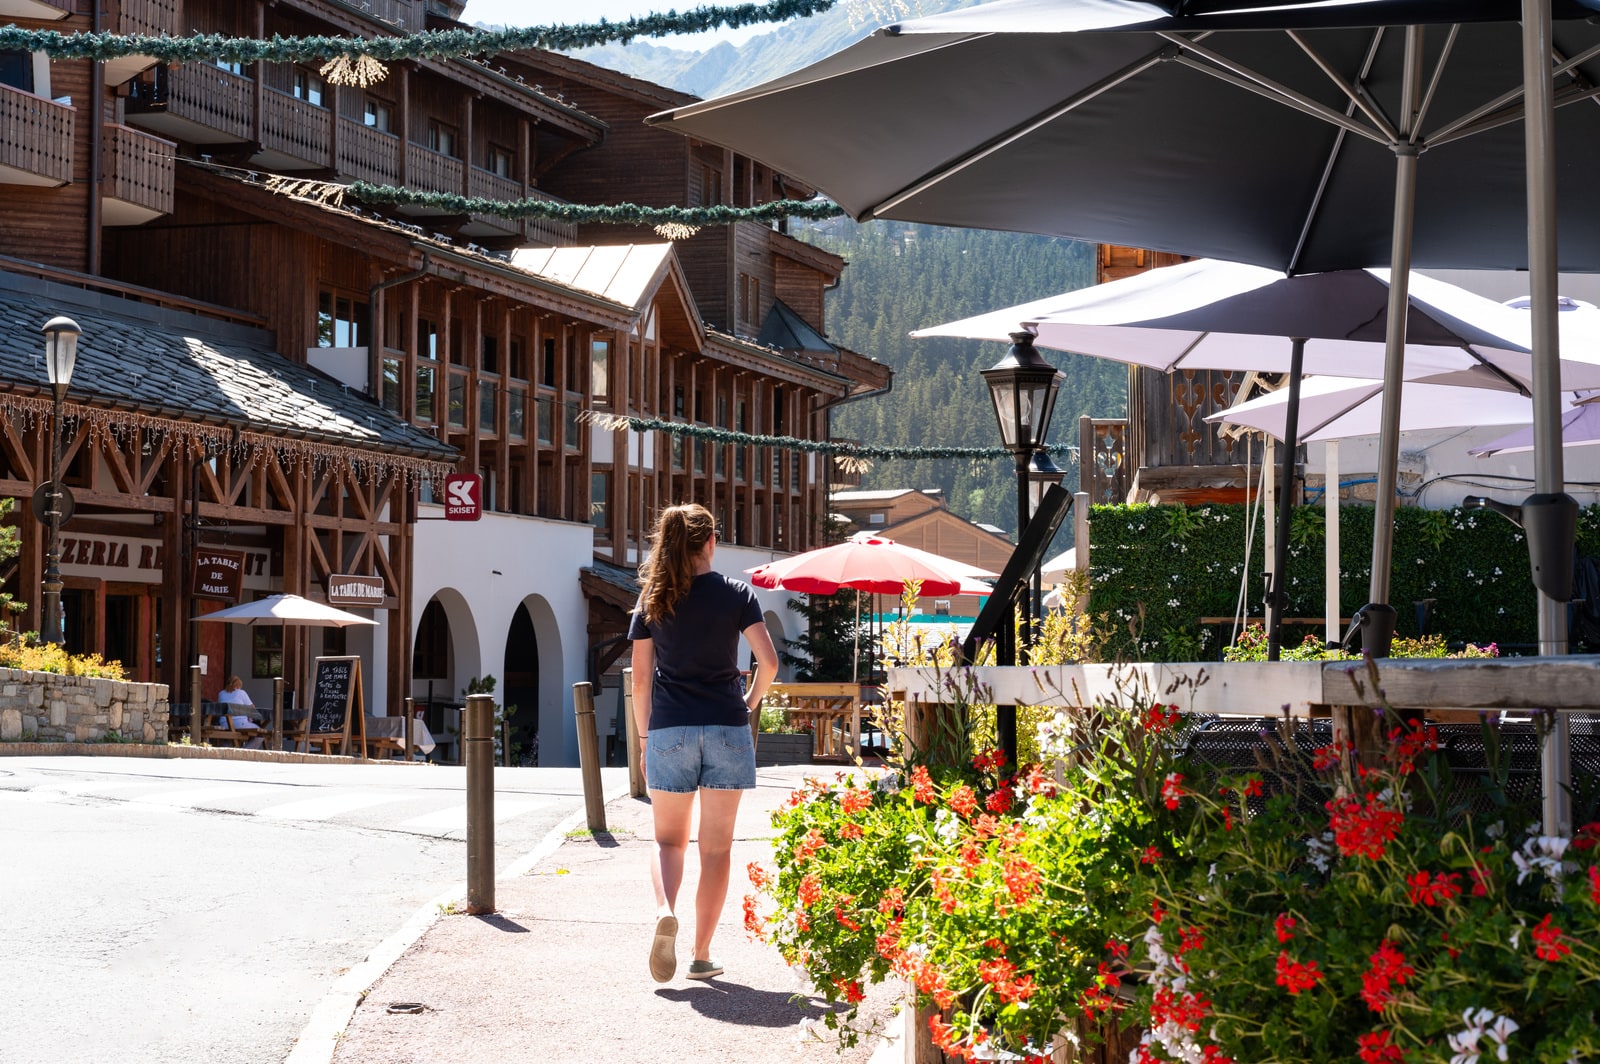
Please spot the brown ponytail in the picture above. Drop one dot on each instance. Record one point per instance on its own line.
(681, 532)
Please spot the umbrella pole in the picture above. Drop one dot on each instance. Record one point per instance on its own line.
(855, 631)
(1549, 475)
(1379, 616)
(1279, 597)
(1330, 501)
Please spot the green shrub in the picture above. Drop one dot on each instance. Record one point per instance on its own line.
(1155, 575)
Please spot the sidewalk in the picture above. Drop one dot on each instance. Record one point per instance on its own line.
(560, 972)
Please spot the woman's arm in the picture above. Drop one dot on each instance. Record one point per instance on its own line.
(644, 674)
(760, 641)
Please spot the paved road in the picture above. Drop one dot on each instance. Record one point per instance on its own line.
(184, 910)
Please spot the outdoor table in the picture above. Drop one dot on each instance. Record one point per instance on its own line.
(389, 732)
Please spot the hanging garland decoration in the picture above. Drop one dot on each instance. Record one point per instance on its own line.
(672, 223)
(362, 56)
(853, 457)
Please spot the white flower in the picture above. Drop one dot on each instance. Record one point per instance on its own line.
(1542, 853)
(947, 826)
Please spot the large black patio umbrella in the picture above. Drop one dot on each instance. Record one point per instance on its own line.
(1270, 132)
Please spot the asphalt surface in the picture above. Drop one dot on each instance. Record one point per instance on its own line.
(163, 910)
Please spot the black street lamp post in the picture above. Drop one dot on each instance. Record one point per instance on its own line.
(1023, 386)
(60, 353)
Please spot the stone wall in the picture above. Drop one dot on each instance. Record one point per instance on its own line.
(49, 707)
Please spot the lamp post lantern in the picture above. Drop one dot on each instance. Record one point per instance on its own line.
(1023, 386)
(60, 354)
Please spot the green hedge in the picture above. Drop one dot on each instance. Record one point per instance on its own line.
(1178, 564)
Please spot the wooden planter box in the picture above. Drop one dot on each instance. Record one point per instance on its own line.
(779, 748)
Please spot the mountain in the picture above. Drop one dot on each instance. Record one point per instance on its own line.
(727, 68)
(903, 277)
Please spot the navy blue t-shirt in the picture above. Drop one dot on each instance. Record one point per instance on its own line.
(697, 654)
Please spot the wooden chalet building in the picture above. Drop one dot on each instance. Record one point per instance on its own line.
(470, 342)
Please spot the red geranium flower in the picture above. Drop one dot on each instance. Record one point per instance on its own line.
(1172, 789)
(856, 800)
(1547, 937)
(809, 891)
(1386, 968)
(1150, 856)
(1021, 879)
(1284, 927)
(1159, 718)
(963, 801)
(1000, 801)
(1252, 788)
(1594, 884)
(1587, 837)
(1376, 1048)
(1038, 781)
(922, 785)
(1294, 976)
(809, 845)
(1363, 827)
(849, 989)
(1436, 890)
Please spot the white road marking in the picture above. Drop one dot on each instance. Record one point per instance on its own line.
(330, 805)
(443, 821)
(199, 797)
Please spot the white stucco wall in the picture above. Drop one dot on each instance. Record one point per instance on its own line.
(482, 571)
(733, 561)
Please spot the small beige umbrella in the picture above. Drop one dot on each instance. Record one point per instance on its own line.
(285, 610)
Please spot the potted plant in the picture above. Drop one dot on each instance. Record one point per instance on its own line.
(779, 742)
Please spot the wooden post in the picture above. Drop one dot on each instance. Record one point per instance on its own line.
(1080, 541)
(277, 712)
(594, 800)
(636, 785)
(197, 720)
(410, 732)
(477, 735)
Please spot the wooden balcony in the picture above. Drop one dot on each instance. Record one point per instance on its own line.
(368, 154)
(548, 232)
(138, 177)
(487, 185)
(154, 18)
(294, 133)
(197, 103)
(38, 10)
(432, 171)
(405, 16)
(35, 139)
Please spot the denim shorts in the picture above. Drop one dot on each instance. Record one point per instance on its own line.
(716, 756)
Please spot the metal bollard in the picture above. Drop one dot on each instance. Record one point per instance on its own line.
(636, 787)
(477, 735)
(410, 732)
(197, 720)
(277, 712)
(594, 801)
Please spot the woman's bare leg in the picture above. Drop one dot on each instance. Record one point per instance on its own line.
(672, 813)
(718, 811)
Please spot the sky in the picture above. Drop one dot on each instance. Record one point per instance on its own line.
(522, 13)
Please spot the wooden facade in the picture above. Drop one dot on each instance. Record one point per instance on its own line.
(155, 187)
(1165, 451)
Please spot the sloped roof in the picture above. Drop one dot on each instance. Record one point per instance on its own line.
(151, 360)
(622, 273)
(870, 496)
(788, 331)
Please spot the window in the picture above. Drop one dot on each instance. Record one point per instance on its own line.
(677, 401)
(600, 370)
(430, 660)
(487, 392)
(378, 115)
(517, 414)
(341, 321)
(749, 298)
(391, 385)
(307, 87)
(441, 138)
(710, 186)
(16, 70)
(426, 382)
(599, 494)
(498, 161)
(427, 339)
(458, 400)
(544, 419)
(489, 361)
(547, 375)
(232, 66)
(516, 357)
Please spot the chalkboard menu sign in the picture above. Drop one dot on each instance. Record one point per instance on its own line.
(335, 692)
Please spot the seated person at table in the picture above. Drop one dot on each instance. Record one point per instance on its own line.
(245, 716)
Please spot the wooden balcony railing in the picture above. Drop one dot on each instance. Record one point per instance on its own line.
(488, 185)
(368, 154)
(548, 231)
(294, 127)
(212, 97)
(10, 9)
(153, 17)
(139, 168)
(35, 139)
(403, 15)
(431, 171)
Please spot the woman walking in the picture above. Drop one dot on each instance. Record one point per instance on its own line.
(693, 719)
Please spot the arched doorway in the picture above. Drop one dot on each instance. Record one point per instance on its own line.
(520, 692)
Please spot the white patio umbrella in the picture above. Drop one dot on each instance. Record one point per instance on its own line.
(1580, 427)
(1056, 569)
(1338, 408)
(1209, 314)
